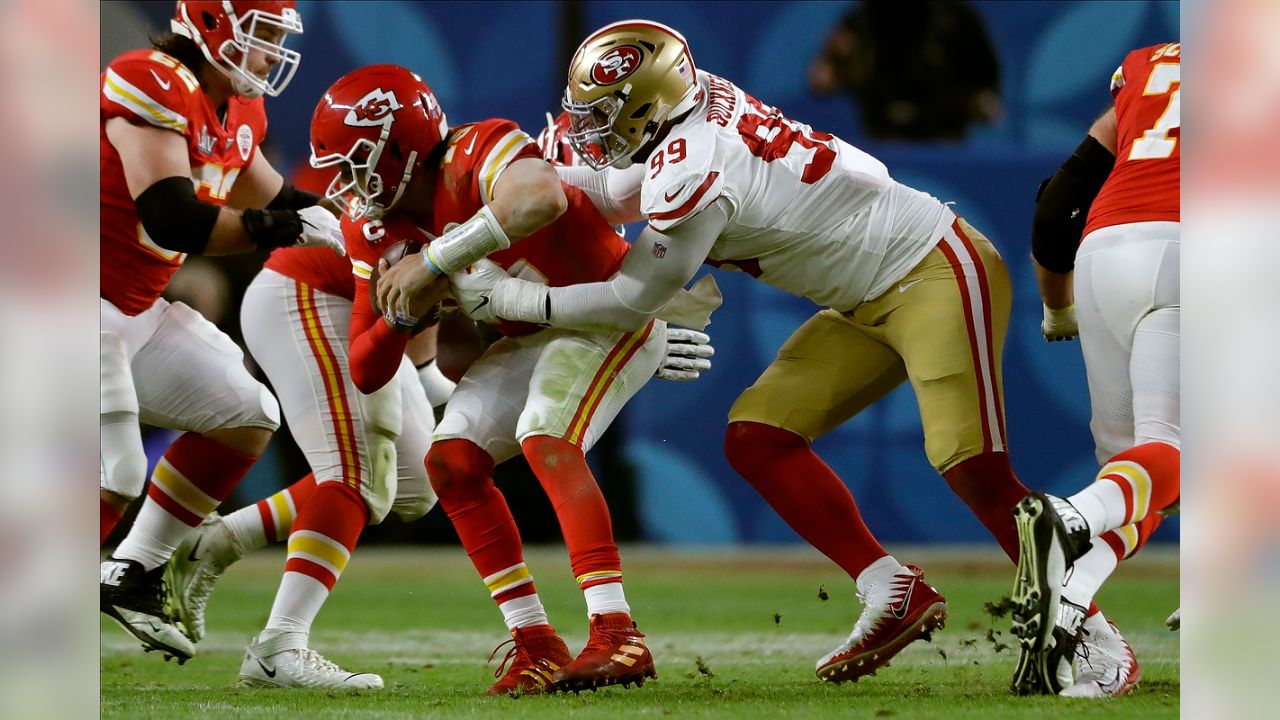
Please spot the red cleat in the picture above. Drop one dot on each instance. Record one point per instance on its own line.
(894, 615)
(615, 655)
(536, 655)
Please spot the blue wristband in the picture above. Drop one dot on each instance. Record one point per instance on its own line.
(426, 260)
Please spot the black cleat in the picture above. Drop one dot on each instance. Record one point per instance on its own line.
(134, 598)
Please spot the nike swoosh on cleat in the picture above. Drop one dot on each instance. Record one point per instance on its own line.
(192, 555)
(270, 672)
(901, 611)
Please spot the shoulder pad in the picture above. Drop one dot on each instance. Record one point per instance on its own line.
(682, 177)
(151, 87)
(482, 151)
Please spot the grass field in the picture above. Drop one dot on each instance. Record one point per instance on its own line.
(735, 635)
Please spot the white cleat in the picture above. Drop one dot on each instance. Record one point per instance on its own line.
(1105, 664)
(284, 661)
(194, 568)
(1174, 621)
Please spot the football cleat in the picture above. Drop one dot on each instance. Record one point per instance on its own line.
(535, 655)
(134, 598)
(895, 614)
(194, 568)
(1051, 536)
(1174, 621)
(284, 661)
(1047, 670)
(615, 655)
(1105, 664)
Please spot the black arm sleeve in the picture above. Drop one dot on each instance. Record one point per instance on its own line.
(291, 198)
(174, 218)
(1062, 205)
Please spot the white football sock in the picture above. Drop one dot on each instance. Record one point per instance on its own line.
(245, 526)
(155, 534)
(297, 603)
(1088, 573)
(524, 611)
(606, 598)
(1102, 505)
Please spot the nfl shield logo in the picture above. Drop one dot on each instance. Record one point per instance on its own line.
(659, 250)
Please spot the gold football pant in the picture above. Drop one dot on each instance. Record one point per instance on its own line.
(942, 327)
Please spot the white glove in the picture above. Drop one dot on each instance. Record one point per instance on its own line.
(1059, 324)
(486, 293)
(688, 354)
(321, 229)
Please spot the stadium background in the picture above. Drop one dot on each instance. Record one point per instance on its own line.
(661, 465)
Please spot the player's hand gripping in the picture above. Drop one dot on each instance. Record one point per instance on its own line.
(401, 282)
(1059, 324)
(486, 293)
(321, 229)
(688, 355)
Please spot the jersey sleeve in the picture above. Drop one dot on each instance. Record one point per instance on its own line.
(685, 181)
(149, 88)
(479, 155)
(375, 346)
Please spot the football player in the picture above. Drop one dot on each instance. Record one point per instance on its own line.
(181, 174)
(365, 452)
(469, 192)
(913, 293)
(1118, 289)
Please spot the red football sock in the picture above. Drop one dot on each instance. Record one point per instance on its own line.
(1128, 540)
(278, 511)
(462, 475)
(562, 470)
(986, 484)
(1162, 464)
(108, 516)
(800, 487)
(326, 531)
(193, 477)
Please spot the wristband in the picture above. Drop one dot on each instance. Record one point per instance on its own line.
(431, 265)
(272, 228)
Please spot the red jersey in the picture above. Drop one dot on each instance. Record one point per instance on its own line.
(318, 267)
(1144, 185)
(148, 87)
(578, 247)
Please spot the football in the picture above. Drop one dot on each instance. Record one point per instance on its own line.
(394, 254)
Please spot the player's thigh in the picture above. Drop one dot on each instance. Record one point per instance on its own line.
(190, 376)
(485, 407)
(1154, 375)
(583, 379)
(298, 336)
(949, 326)
(825, 373)
(414, 496)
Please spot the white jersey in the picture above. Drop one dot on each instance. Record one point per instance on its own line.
(811, 214)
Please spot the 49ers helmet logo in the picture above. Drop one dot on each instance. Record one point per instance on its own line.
(616, 65)
(373, 109)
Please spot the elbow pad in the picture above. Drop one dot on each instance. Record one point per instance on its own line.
(1062, 205)
(291, 198)
(174, 218)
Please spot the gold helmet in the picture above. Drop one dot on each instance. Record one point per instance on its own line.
(625, 80)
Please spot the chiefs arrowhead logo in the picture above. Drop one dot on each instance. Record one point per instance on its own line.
(374, 109)
(616, 65)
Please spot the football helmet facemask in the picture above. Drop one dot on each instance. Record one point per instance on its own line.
(625, 81)
(227, 31)
(376, 126)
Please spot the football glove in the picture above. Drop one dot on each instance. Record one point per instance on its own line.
(321, 229)
(688, 355)
(1059, 324)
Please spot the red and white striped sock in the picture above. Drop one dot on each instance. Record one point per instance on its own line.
(1132, 485)
(270, 519)
(192, 478)
(323, 538)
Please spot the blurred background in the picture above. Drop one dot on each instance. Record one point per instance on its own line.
(974, 102)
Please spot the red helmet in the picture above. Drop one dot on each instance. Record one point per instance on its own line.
(554, 143)
(377, 126)
(227, 31)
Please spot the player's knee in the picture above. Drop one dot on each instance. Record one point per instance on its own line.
(124, 461)
(247, 440)
(457, 467)
(747, 444)
(414, 506)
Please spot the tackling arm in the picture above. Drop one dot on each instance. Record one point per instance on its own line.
(615, 193)
(628, 300)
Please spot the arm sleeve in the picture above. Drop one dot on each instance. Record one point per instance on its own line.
(615, 193)
(375, 347)
(653, 270)
(1062, 205)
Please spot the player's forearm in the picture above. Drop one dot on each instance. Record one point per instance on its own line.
(615, 193)
(1055, 288)
(229, 235)
(376, 347)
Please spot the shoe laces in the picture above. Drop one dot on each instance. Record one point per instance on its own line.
(604, 639)
(312, 660)
(875, 609)
(513, 656)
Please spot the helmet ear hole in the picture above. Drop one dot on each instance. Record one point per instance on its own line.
(210, 22)
(641, 111)
(394, 147)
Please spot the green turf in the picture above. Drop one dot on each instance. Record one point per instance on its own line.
(752, 620)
